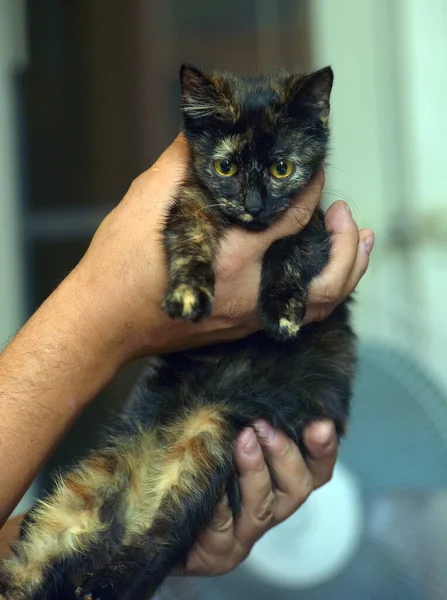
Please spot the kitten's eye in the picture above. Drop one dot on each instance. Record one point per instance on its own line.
(282, 169)
(225, 167)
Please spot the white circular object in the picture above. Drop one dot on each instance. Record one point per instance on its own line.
(317, 542)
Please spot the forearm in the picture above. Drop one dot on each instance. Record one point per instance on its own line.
(48, 374)
(8, 534)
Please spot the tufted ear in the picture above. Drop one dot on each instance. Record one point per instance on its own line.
(312, 91)
(201, 94)
(205, 96)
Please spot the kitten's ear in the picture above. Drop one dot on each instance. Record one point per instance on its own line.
(313, 91)
(202, 94)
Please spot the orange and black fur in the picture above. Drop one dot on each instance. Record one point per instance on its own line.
(118, 523)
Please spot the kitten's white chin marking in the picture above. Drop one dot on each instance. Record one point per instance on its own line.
(246, 218)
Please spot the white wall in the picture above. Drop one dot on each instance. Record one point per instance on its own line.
(421, 28)
(12, 56)
(389, 159)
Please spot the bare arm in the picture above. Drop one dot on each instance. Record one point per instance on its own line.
(8, 534)
(48, 373)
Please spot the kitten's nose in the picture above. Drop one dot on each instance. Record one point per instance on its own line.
(253, 203)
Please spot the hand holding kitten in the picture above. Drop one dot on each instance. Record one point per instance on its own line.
(229, 540)
(125, 266)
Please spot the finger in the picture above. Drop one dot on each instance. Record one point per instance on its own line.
(222, 523)
(292, 477)
(257, 494)
(294, 219)
(214, 545)
(321, 443)
(319, 312)
(328, 287)
(364, 249)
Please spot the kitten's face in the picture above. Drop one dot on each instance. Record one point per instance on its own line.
(256, 142)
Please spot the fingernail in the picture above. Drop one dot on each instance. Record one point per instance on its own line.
(323, 433)
(368, 244)
(347, 209)
(265, 430)
(320, 439)
(251, 442)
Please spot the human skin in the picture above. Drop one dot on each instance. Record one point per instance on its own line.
(107, 312)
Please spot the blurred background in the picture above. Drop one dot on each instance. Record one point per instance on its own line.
(89, 97)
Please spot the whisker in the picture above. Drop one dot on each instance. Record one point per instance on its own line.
(330, 166)
(335, 192)
(353, 205)
(200, 110)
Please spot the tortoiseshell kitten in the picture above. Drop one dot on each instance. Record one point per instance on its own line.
(255, 144)
(118, 523)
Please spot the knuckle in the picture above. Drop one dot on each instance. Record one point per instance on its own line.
(242, 555)
(265, 512)
(231, 309)
(331, 292)
(327, 477)
(136, 184)
(301, 216)
(223, 523)
(285, 450)
(306, 489)
(321, 313)
(223, 517)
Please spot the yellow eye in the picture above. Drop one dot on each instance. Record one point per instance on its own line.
(282, 169)
(225, 167)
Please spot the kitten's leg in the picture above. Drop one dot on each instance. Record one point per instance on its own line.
(190, 481)
(192, 236)
(289, 265)
(76, 524)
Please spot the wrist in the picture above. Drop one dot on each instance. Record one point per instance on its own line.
(122, 322)
(97, 340)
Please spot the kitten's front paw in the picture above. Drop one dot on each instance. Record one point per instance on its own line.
(80, 594)
(282, 321)
(189, 303)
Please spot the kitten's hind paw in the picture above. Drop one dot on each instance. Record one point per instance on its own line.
(98, 593)
(188, 303)
(106, 584)
(284, 322)
(88, 596)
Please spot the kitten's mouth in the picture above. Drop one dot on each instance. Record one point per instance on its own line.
(254, 222)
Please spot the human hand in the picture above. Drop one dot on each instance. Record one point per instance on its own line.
(228, 540)
(124, 268)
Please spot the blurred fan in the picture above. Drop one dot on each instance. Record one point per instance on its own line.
(378, 530)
